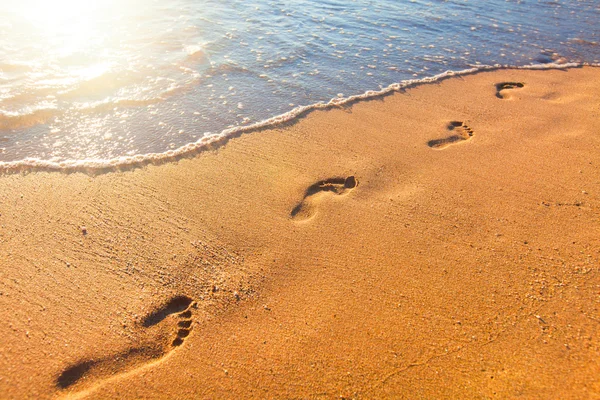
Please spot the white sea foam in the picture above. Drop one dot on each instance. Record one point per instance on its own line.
(28, 116)
(211, 140)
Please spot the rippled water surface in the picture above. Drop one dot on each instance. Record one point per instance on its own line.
(99, 80)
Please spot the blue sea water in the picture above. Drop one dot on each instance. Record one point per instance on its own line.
(108, 79)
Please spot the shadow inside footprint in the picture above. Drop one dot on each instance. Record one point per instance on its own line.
(105, 367)
(175, 305)
(73, 374)
(506, 86)
(307, 207)
(93, 370)
(461, 133)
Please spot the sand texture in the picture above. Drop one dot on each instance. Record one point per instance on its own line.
(440, 242)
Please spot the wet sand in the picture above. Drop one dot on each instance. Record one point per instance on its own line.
(441, 242)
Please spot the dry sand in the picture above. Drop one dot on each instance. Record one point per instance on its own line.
(461, 261)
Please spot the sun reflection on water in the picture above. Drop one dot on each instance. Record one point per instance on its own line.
(59, 33)
(66, 55)
(62, 15)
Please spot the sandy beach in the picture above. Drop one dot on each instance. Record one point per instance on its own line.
(440, 242)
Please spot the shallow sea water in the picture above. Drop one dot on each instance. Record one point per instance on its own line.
(108, 79)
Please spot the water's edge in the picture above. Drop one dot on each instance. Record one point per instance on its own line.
(216, 140)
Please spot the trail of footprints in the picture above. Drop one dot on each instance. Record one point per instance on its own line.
(461, 131)
(171, 324)
(307, 208)
(177, 313)
(174, 324)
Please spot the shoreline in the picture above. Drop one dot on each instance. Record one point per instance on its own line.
(440, 241)
(214, 140)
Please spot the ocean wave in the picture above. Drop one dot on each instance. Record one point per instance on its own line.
(215, 140)
(16, 120)
(103, 84)
(110, 103)
(15, 67)
(228, 67)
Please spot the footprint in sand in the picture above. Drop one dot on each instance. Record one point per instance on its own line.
(502, 86)
(461, 132)
(307, 208)
(173, 323)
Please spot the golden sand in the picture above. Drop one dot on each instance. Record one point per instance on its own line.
(442, 242)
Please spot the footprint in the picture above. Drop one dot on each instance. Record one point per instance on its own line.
(500, 87)
(307, 207)
(461, 132)
(177, 317)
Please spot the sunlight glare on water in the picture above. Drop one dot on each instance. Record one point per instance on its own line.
(56, 16)
(68, 26)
